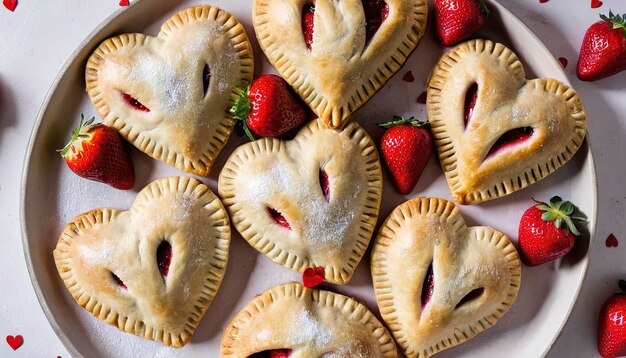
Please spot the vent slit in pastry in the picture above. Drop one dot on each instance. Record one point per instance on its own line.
(274, 353)
(473, 295)
(428, 286)
(376, 12)
(470, 102)
(134, 103)
(119, 281)
(164, 257)
(278, 218)
(308, 14)
(206, 78)
(511, 138)
(324, 184)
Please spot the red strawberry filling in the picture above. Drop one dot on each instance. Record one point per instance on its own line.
(308, 14)
(164, 257)
(470, 102)
(428, 286)
(325, 185)
(118, 281)
(278, 218)
(376, 11)
(510, 139)
(206, 78)
(133, 102)
(474, 294)
(273, 353)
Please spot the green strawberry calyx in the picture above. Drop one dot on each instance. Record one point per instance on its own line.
(622, 285)
(619, 22)
(398, 121)
(241, 109)
(483, 7)
(560, 211)
(78, 136)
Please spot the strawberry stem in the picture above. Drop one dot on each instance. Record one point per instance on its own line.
(397, 121)
(241, 109)
(77, 134)
(622, 285)
(484, 8)
(619, 22)
(559, 211)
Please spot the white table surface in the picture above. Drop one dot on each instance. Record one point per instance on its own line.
(40, 35)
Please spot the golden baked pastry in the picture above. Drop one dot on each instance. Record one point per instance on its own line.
(497, 132)
(170, 95)
(291, 320)
(353, 51)
(311, 201)
(153, 270)
(438, 282)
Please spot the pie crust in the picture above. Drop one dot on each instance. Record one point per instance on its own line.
(341, 71)
(186, 79)
(310, 322)
(100, 245)
(506, 102)
(430, 232)
(286, 176)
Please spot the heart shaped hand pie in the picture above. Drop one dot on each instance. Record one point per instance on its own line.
(437, 281)
(170, 95)
(302, 322)
(354, 48)
(153, 270)
(495, 131)
(312, 201)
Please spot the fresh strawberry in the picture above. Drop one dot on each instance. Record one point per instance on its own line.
(456, 20)
(269, 108)
(406, 147)
(542, 235)
(603, 52)
(97, 152)
(612, 325)
(308, 14)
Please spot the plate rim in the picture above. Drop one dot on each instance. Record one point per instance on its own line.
(592, 166)
(81, 47)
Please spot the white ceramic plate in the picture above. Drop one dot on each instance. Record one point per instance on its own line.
(52, 196)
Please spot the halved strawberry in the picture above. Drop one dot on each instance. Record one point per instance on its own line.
(97, 152)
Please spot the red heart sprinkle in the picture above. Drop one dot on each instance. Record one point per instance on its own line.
(611, 241)
(408, 77)
(313, 276)
(563, 62)
(15, 342)
(10, 4)
(543, 1)
(124, 3)
(596, 4)
(422, 98)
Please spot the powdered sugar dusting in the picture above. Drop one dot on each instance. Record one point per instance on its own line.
(324, 223)
(167, 76)
(308, 330)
